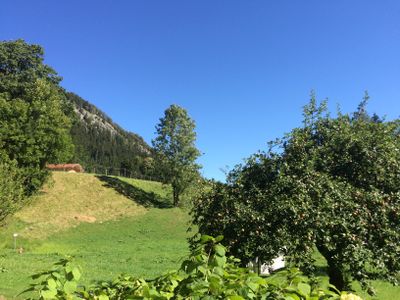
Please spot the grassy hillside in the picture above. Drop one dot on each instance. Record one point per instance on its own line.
(69, 200)
(110, 225)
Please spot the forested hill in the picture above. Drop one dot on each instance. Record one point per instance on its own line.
(100, 143)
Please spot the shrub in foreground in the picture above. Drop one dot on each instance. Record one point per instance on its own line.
(206, 274)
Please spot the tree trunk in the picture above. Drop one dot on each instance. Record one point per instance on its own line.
(176, 197)
(336, 276)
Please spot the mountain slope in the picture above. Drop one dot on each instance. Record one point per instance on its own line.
(100, 143)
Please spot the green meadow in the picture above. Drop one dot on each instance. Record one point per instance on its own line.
(147, 240)
(109, 226)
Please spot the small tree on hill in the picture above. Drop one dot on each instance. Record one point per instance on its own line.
(334, 185)
(176, 150)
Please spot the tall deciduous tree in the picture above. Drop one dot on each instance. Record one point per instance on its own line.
(333, 185)
(20, 65)
(176, 150)
(34, 127)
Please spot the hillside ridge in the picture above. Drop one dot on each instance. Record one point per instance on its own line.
(91, 115)
(100, 142)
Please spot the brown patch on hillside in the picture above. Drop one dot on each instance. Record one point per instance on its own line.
(84, 218)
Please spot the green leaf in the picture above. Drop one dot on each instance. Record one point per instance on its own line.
(38, 275)
(219, 238)
(51, 284)
(219, 271)
(304, 288)
(70, 287)
(220, 250)
(220, 261)
(252, 286)
(202, 269)
(292, 297)
(30, 289)
(103, 297)
(48, 294)
(332, 287)
(76, 273)
(206, 238)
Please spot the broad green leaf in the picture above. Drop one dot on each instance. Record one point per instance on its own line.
(220, 261)
(48, 294)
(220, 250)
(68, 269)
(206, 238)
(304, 288)
(292, 297)
(76, 273)
(70, 287)
(51, 283)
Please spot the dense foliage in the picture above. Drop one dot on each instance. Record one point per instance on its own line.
(103, 146)
(42, 123)
(176, 150)
(332, 184)
(206, 274)
(20, 65)
(34, 126)
(11, 189)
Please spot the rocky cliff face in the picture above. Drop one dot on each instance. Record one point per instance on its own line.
(92, 119)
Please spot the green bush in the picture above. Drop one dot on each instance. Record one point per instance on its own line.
(206, 274)
(11, 189)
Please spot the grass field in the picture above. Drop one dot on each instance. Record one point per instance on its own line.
(110, 225)
(114, 233)
(385, 290)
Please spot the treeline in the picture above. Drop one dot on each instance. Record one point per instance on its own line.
(100, 144)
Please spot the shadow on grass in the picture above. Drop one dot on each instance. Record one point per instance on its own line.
(147, 199)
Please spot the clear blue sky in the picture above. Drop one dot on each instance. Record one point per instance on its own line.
(242, 69)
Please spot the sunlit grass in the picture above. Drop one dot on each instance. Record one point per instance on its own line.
(385, 290)
(125, 237)
(147, 245)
